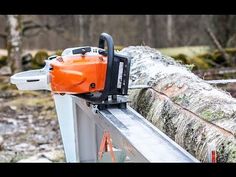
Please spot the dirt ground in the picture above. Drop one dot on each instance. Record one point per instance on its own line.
(28, 126)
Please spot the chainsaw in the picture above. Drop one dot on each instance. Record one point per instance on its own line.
(98, 75)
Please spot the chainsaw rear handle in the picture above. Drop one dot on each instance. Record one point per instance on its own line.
(104, 37)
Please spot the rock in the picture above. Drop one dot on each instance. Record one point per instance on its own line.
(22, 130)
(7, 156)
(1, 142)
(40, 139)
(46, 157)
(35, 159)
(42, 160)
(30, 116)
(55, 155)
(6, 128)
(8, 110)
(40, 117)
(8, 94)
(51, 135)
(26, 61)
(13, 108)
(24, 147)
(54, 122)
(11, 121)
(30, 119)
(44, 147)
(22, 117)
(5, 70)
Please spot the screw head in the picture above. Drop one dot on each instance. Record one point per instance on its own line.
(92, 85)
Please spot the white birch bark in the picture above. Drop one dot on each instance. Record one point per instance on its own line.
(14, 42)
(185, 107)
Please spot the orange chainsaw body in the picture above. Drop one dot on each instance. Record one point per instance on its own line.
(78, 74)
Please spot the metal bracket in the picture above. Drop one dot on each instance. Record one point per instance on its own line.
(82, 127)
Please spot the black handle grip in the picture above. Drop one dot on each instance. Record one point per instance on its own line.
(81, 50)
(104, 37)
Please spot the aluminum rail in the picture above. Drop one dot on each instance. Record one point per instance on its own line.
(82, 128)
(143, 141)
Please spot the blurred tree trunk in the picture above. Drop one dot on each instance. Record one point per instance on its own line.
(85, 22)
(169, 28)
(81, 29)
(14, 42)
(104, 19)
(89, 29)
(148, 29)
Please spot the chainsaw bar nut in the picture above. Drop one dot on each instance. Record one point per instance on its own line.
(92, 85)
(60, 59)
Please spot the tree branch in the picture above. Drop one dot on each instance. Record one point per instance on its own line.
(217, 44)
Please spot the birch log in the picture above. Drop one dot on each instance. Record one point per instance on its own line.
(193, 113)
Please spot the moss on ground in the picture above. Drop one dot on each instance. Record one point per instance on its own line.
(3, 61)
(38, 60)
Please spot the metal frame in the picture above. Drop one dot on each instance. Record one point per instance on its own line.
(82, 128)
